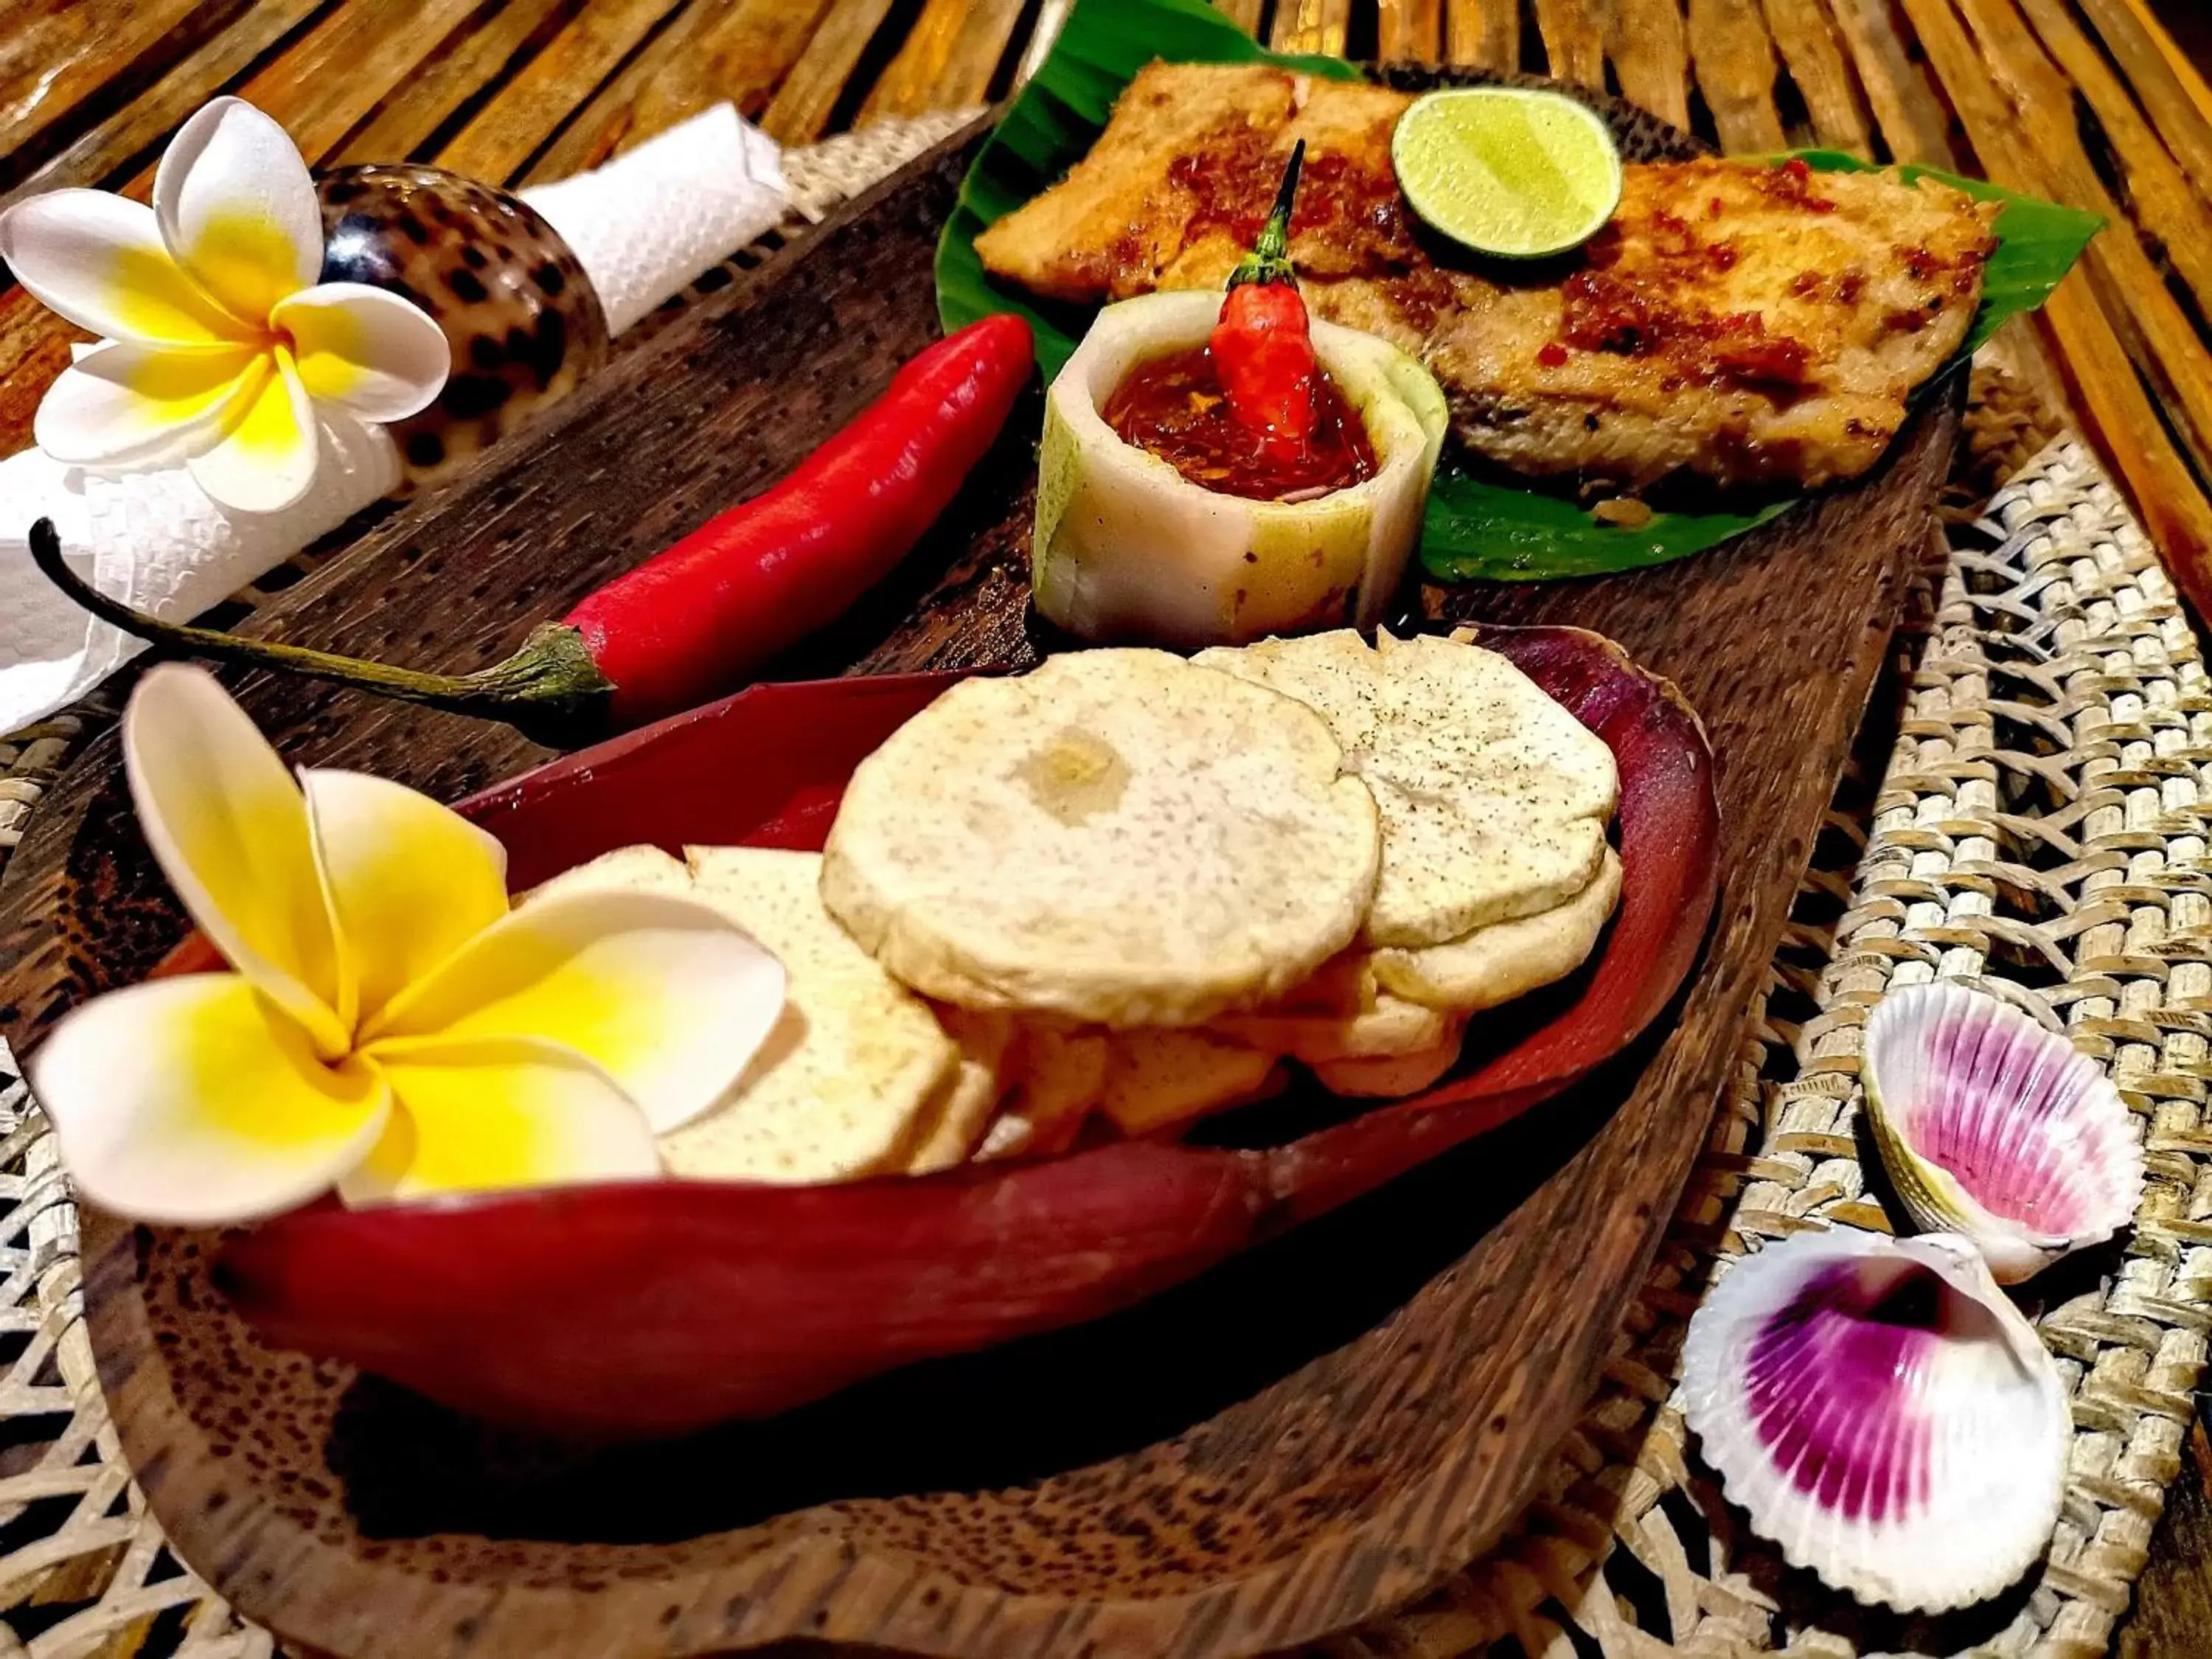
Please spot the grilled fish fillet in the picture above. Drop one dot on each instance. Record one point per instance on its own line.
(1746, 322)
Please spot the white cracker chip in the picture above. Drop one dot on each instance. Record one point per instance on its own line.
(1341, 1013)
(1118, 837)
(638, 869)
(1159, 1078)
(840, 1088)
(1392, 1076)
(1493, 798)
(1506, 959)
(954, 1122)
(1056, 1076)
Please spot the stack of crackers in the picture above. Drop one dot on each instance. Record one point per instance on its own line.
(1128, 889)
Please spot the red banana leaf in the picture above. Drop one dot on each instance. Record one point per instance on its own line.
(644, 1308)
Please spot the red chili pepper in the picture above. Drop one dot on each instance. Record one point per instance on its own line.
(693, 621)
(1263, 343)
(689, 622)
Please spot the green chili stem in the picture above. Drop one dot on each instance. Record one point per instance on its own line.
(1270, 261)
(550, 689)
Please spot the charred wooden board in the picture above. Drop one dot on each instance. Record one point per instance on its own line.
(1302, 1439)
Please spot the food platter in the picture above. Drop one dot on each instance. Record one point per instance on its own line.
(1404, 1365)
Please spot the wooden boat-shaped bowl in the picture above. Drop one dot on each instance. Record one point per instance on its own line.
(1306, 1435)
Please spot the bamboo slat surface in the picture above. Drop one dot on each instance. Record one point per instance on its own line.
(2102, 103)
(2091, 102)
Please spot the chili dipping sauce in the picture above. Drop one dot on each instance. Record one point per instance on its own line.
(1174, 407)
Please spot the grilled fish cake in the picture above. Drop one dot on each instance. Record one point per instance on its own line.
(1743, 321)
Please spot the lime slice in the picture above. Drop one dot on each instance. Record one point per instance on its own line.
(1507, 170)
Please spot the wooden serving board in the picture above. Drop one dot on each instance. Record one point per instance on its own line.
(1304, 1438)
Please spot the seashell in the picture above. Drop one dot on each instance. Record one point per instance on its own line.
(524, 325)
(1992, 1126)
(1882, 1412)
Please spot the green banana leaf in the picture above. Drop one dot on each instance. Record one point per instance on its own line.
(1476, 528)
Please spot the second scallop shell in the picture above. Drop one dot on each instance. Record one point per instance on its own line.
(1992, 1126)
(1882, 1412)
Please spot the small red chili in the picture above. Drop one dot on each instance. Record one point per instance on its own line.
(693, 621)
(1552, 354)
(1262, 344)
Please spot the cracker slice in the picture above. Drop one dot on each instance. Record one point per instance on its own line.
(1117, 838)
(953, 1124)
(844, 1079)
(1493, 799)
(1159, 1078)
(1058, 1076)
(1393, 1076)
(1507, 959)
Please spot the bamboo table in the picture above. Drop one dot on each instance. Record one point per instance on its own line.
(2089, 101)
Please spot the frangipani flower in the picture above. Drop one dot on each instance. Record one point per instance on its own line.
(391, 1027)
(223, 352)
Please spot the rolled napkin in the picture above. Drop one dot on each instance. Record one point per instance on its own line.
(145, 529)
(651, 220)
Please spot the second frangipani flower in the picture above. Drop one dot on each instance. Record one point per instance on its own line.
(391, 1027)
(221, 350)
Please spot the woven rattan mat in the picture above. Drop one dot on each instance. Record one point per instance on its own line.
(2025, 813)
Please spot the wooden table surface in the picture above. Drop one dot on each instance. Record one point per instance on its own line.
(2095, 102)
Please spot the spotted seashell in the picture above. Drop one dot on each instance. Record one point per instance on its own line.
(524, 327)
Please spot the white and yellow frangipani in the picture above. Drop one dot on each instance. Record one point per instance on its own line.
(221, 350)
(392, 1028)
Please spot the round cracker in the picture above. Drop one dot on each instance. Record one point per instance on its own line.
(1506, 959)
(1057, 1075)
(1385, 1077)
(1386, 1026)
(953, 1124)
(1493, 798)
(844, 1080)
(1118, 837)
(1160, 1077)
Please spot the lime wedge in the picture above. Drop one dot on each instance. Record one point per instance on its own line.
(1506, 170)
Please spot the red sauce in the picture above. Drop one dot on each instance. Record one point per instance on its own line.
(1601, 313)
(1173, 407)
(1356, 212)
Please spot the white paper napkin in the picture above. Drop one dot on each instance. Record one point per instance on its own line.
(643, 226)
(651, 220)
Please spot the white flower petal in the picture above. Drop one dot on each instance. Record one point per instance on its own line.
(140, 405)
(410, 881)
(265, 459)
(195, 1101)
(483, 1115)
(229, 828)
(660, 990)
(99, 261)
(374, 353)
(237, 208)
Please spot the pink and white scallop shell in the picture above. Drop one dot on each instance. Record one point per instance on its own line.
(1882, 1413)
(1993, 1127)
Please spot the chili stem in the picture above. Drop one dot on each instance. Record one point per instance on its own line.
(550, 689)
(1270, 261)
